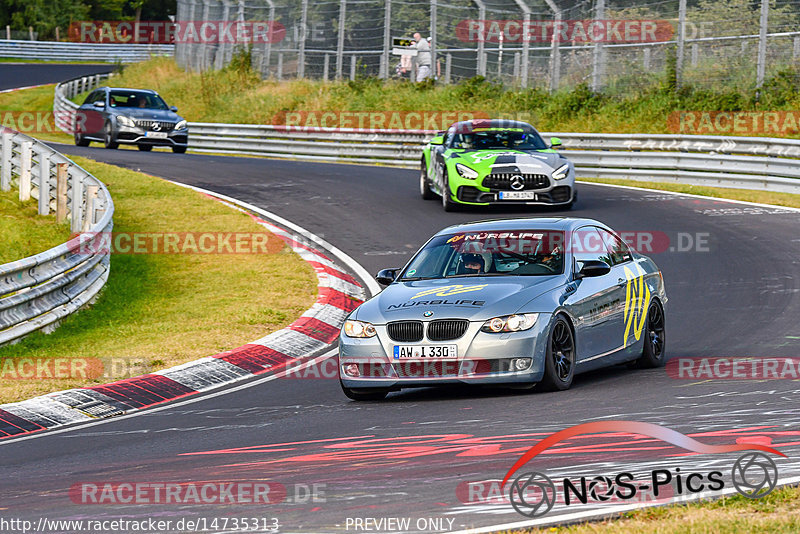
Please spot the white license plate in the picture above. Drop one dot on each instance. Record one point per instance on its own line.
(426, 352)
(517, 195)
(156, 135)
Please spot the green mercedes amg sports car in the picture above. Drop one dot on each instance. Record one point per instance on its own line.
(484, 162)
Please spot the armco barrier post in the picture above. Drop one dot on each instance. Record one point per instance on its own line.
(61, 193)
(26, 161)
(91, 200)
(44, 183)
(5, 161)
(76, 208)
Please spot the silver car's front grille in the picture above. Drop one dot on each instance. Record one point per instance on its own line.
(503, 181)
(405, 331)
(446, 329)
(156, 126)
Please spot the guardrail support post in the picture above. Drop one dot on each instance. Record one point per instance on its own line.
(91, 198)
(280, 66)
(26, 161)
(44, 183)
(5, 161)
(448, 62)
(61, 193)
(76, 205)
(353, 67)
(326, 67)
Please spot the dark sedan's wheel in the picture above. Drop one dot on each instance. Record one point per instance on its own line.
(145, 148)
(365, 394)
(179, 149)
(655, 340)
(80, 140)
(424, 183)
(447, 204)
(108, 137)
(559, 363)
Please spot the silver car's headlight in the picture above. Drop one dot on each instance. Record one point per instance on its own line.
(561, 172)
(126, 121)
(181, 125)
(466, 172)
(358, 329)
(510, 323)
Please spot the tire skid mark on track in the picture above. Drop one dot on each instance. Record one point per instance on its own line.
(338, 294)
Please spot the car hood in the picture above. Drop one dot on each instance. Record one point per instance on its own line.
(533, 162)
(473, 298)
(149, 114)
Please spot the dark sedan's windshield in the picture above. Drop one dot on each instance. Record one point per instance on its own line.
(135, 99)
(499, 139)
(497, 253)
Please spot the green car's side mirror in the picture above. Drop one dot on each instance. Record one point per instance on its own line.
(554, 142)
(438, 140)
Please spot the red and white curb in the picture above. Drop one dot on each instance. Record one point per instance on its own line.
(338, 294)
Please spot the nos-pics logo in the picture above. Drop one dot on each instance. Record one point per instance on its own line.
(533, 494)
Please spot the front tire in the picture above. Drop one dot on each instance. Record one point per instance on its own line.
(447, 204)
(80, 140)
(108, 137)
(365, 394)
(179, 149)
(424, 183)
(145, 148)
(559, 362)
(655, 341)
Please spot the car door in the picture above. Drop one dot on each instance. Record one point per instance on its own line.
(595, 300)
(634, 295)
(438, 167)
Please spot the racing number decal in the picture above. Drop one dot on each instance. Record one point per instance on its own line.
(637, 301)
(449, 290)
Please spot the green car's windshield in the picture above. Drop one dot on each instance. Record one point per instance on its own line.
(497, 253)
(498, 139)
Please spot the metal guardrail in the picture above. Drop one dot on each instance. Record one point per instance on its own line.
(741, 162)
(38, 291)
(104, 53)
(760, 163)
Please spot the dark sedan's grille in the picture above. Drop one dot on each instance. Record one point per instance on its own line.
(405, 331)
(502, 181)
(445, 329)
(427, 369)
(161, 126)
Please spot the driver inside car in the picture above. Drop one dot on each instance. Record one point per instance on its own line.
(473, 264)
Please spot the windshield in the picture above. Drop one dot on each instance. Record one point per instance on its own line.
(135, 99)
(502, 139)
(498, 253)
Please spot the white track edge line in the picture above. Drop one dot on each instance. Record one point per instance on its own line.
(195, 398)
(372, 286)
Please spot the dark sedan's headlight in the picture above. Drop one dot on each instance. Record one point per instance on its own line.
(126, 121)
(358, 329)
(561, 172)
(510, 323)
(181, 125)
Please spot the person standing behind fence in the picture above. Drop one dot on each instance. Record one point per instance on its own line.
(423, 58)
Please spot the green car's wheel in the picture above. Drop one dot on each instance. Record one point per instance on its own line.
(447, 204)
(424, 183)
(559, 362)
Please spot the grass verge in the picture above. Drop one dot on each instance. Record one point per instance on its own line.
(23, 232)
(762, 197)
(166, 309)
(37, 101)
(777, 513)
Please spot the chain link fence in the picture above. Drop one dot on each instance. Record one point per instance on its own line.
(549, 44)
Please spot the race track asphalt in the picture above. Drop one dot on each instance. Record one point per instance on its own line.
(737, 295)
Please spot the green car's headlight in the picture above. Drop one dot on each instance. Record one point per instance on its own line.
(126, 121)
(510, 323)
(466, 172)
(561, 172)
(358, 329)
(181, 125)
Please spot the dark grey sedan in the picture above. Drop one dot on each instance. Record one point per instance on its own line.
(115, 116)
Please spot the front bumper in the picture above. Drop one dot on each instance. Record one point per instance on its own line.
(139, 136)
(483, 358)
(558, 195)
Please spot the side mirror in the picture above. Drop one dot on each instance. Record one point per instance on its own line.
(592, 268)
(438, 140)
(173, 109)
(99, 104)
(386, 276)
(554, 142)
